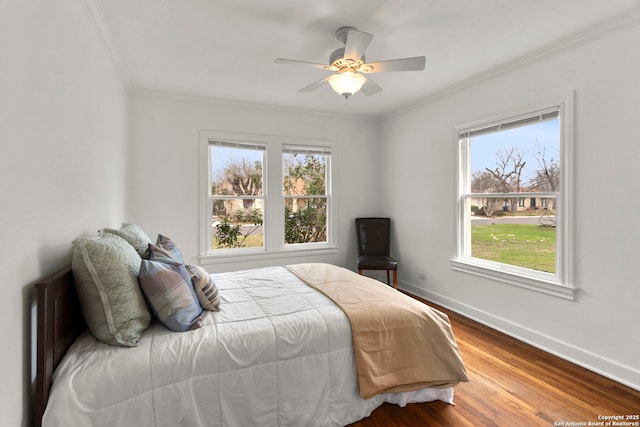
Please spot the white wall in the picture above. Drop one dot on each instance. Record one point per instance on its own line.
(165, 180)
(600, 329)
(64, 136)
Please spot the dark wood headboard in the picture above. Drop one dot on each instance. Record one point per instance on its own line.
(60, 322)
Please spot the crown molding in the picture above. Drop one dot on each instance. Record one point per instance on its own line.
(592, 33)
(184, 97)
(97, 22)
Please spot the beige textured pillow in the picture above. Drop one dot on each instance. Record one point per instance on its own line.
(132, 234)
(105, 272)
(205, 287)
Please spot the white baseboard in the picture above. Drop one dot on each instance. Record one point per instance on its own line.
(623, 374)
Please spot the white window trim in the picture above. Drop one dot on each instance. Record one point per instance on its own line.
(559, 284)
(274, 245)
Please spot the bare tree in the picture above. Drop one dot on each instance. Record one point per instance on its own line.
(485, 182)
(508, 176)
(548, 175)
(245, 178)
(510, 165)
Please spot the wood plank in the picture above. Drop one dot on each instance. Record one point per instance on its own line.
(512, 383)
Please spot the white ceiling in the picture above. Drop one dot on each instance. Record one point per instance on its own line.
(225, 48)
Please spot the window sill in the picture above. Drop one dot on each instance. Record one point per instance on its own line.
(538, 284)
(284, 254)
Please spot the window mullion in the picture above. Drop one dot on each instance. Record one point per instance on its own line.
(273, 193)
(514, 195)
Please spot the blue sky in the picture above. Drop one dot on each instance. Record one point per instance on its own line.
(221, 155)
(524, 139)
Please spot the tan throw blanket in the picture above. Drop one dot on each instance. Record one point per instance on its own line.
(400, 343)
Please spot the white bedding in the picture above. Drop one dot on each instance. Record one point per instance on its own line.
(278, 353)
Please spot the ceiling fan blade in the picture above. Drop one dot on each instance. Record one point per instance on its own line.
(405, 64)
(357, 42)
(308, 64)
(313, 86)
(370, 88)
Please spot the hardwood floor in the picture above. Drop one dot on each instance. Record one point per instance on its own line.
(514, 384)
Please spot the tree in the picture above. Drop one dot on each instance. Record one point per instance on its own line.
(240, 177)
(305, 207)
(305, 216)
(245, 178)
(506, 177)
(547, 177)
(229, 235)
(508, 172)
(485, 182)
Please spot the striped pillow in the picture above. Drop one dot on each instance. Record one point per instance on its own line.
(205, 288)
(170, 294)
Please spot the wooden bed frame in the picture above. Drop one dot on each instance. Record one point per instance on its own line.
(60, 322)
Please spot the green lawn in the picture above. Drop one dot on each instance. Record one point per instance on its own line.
(529, 246)
(252, 241)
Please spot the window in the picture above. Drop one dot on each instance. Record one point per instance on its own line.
(305, 194)
(236, 195)
(513, 209)
(265, 196)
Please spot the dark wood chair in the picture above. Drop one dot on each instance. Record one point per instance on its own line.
(374, 243)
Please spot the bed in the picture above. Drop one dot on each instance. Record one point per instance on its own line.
(280, 352)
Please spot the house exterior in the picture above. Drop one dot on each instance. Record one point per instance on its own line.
(521, 204)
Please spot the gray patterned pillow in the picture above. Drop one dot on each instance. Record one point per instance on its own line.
(105, 271)
(132, 234)
(170, 247)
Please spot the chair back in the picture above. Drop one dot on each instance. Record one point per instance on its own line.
(374, 236)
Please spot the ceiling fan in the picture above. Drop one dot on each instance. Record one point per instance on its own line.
(349, 65)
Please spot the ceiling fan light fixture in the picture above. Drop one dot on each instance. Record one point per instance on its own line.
(346, 82)
(349, 65)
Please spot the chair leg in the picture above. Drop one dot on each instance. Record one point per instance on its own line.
(388, 278)
(360, 272)
(395, 279)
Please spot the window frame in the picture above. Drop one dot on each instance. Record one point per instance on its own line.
(273, 214)
(314, 150)
(560, 283)
(211, 198)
